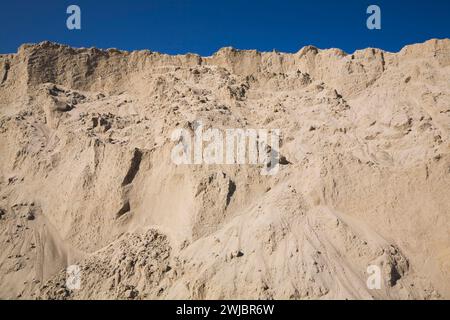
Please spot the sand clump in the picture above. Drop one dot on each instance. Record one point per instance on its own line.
(86, 176)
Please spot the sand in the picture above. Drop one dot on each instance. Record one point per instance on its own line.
(87, 179)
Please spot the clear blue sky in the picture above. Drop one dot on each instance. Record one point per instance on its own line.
(204, 26)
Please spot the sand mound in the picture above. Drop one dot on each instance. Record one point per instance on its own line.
(87, 178)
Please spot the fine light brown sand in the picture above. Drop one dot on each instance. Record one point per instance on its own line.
(86, 175)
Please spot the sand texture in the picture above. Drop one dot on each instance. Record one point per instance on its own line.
(87, 179)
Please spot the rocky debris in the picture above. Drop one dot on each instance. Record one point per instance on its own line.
(64, 100)
(102, 122)
(135, 263)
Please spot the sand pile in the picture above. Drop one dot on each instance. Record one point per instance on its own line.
(87, 178)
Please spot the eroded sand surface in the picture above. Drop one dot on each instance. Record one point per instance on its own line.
(86, 175)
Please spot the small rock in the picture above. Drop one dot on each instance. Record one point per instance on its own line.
(236, 254)
(283, 160)
(30, 215)
(131, 294)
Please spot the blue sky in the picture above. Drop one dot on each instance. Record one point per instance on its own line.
(176, 26)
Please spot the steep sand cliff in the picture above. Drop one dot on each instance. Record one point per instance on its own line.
(86, 175)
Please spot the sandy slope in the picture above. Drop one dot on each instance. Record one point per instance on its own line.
(86, 175)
